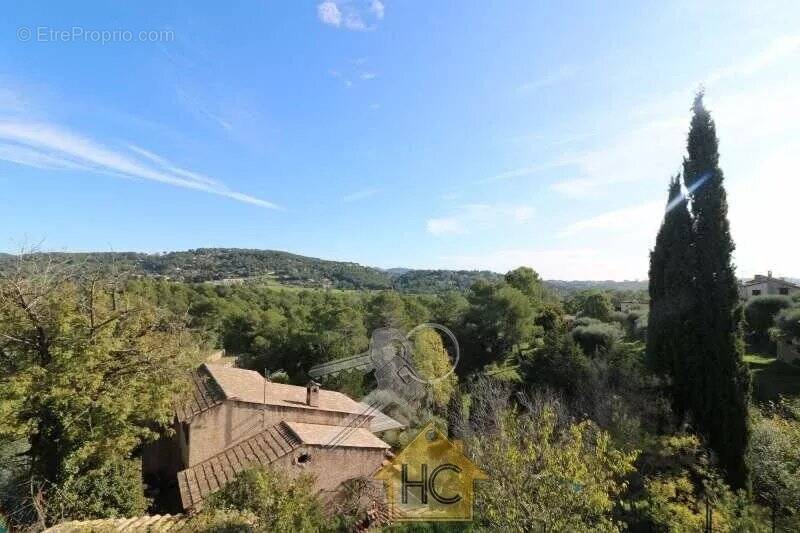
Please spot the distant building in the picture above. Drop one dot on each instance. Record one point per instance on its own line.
(762, 285)
(236, 419)
(626, 306)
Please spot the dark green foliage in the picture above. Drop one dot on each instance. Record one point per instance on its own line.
(760, 312)
(596, 304)
(499, 319)
(263, 499)
(670, 339)
(694, 332)
(439, 281)
(112, 490)
(449, 309)
(721, 381)
(559, 364)
(89, 371)
(787, 323)
(527, 281)
(596, 339)
(629, 290)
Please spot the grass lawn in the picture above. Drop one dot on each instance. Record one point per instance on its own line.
(772, 377)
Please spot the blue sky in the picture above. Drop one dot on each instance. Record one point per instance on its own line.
(417, 134)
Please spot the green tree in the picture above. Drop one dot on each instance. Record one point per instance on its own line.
(499, 320)
(672, 299)
(775, 460)
(432, 362)
(787, 324)
(547, 478)
(760, 313)
(559, 363)
(88, 372)
(527, 281)
(597, 304)
(722, 384)
(262, 499)
(387, 309)
(449, 309)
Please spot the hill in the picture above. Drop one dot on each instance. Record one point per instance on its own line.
(227, 265)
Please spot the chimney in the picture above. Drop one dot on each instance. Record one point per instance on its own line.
(769, 273)
(312, 394)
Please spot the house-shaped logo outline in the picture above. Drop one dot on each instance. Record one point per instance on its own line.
(440, 456)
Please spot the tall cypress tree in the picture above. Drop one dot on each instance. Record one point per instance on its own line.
(720, 397)
(671, 288)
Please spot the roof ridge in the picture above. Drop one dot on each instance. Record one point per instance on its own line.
(199, 480)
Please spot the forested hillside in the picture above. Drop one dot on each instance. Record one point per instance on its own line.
(233, 264)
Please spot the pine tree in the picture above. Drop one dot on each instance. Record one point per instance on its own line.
(669, 341)
(720, 395)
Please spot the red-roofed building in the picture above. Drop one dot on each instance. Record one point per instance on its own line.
(234, 419)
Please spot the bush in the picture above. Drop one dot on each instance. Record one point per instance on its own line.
(545, 477)
(112, 490)
(775, 460)
(596, 338)
(262, 499)
(760, 314)
(597, 305)
(585, 321)
(559, 364)
(787, 323)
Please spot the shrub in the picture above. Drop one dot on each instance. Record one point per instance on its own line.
(262, 499)
(597, 305)
(787, 323)
(596, 338)
(585, 321)
(114, 489)
(760, 313)
(545, 477)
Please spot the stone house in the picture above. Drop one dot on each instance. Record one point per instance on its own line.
(235, 419)
(762, 285)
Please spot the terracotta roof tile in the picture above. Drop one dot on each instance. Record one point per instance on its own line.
(205, 394)
(154, 523)
(196, 482)
(321, 435)
(249, 386)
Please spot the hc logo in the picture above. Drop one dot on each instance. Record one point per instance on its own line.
(428, 483)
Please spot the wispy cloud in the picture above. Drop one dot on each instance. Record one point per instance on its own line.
(563, 74)
(651, 148)
(360, 195)
(44, 145)
(780, 48)
(444, 226)
(350, 15)
(551, 263)
(641, 218)
(525, 171)
(367, 76)
(481, 216)
(648, 151)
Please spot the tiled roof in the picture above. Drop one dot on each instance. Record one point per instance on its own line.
(321, 435)
(777, 281)
(205, 394)
(155, 524)
(380, 421)
(262, 449)
(249, 386)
